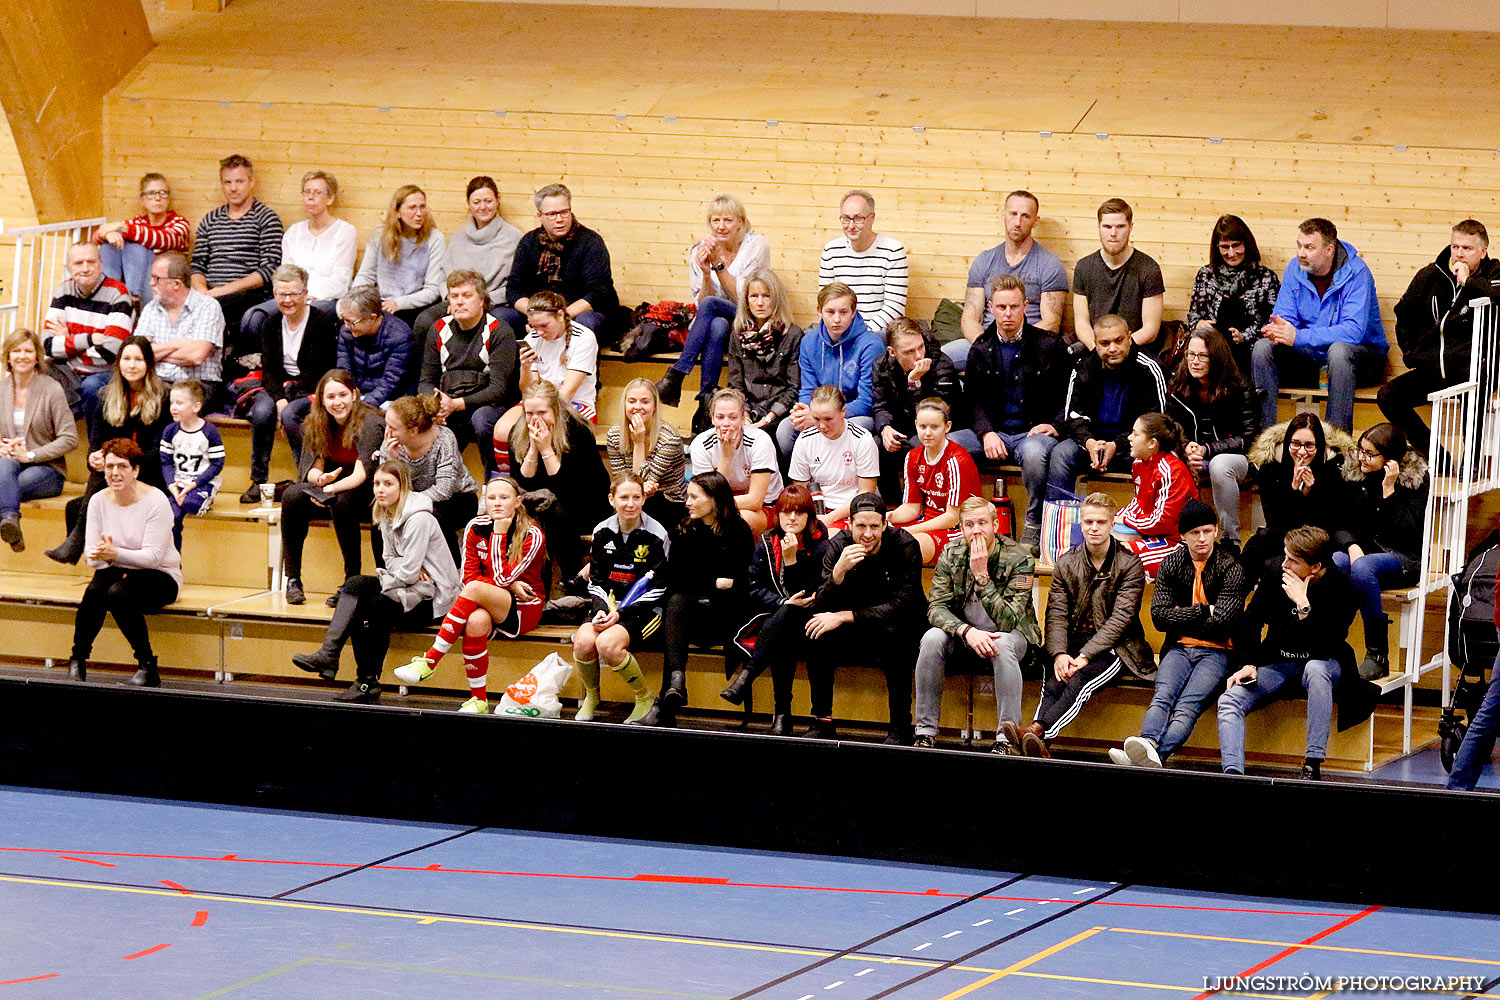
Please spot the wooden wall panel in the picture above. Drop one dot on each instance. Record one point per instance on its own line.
(643, 182)
(16, 206)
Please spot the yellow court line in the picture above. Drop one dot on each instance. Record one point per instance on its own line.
(1023, 963)
(1313, 947)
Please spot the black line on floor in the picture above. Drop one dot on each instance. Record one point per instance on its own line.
(879, 937)
(999, 941)
(1488, 986)
(380, 861)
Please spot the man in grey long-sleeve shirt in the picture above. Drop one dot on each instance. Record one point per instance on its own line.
(236, 248)
(471, 364)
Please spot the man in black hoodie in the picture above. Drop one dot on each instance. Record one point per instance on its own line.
(1435, 326)
(1107, 391)
(913, 368)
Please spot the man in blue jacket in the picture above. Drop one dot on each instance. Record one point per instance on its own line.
(1326, 314)
(840, 350)
(373, 347)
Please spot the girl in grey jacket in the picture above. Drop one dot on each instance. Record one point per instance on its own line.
(414, 590)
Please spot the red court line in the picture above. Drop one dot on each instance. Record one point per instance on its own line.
(173, 885)
(682, 879)
(143, 954)
(1296, 948)
(200, 918)
(86, 861)
(29, 979)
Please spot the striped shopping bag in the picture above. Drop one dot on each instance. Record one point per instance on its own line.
(1060, 524)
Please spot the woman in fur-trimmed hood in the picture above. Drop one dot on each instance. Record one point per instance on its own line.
(1305, 470)
(1390, 494)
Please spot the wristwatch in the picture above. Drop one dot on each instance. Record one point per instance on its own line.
(30, 457)
(1303, 611)
(716, 266)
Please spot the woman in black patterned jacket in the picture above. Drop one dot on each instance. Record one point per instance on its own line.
(1220, 416)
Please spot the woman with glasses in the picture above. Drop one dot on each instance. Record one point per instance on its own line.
(1301, 467)
(1390, 501)
(1216, 408)
(1234, 293)
(127, 248)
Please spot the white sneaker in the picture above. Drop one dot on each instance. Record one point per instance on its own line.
(475, 706)
(1142, 752)
(415, 672)
(1117, 756)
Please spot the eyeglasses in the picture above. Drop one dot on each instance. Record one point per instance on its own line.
(1302, 445)
(156, 193)
(1372, 455)
(1227, 247)
(850, 220)
(1199, 356)
(559, 214)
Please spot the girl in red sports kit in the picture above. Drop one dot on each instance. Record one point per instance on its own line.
(939, 477)
(1163, 484)
(503, 590)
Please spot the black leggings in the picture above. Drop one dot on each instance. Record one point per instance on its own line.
(375, 618)
(347, 511)
(691, 620)
(783, 640)
(129, 595)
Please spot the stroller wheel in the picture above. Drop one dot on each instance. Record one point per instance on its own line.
(1452, 739)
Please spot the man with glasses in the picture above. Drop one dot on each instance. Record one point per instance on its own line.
(185, 326)
(296, 351)
(1326, 314)
(1042, 273)
(89, 317)
(871, 264)
(237, 247)
(561, 255)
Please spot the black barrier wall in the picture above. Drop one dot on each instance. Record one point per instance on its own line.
(1349, 842)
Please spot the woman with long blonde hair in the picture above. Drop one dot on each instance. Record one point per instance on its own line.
(552, 448)
(763, 349)
(133, 405)
(504, 590)
(407, 258)
(414, 589)
(643, 443)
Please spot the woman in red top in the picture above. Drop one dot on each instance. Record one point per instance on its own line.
(940, 476)
(127, 249)
(503, 590)
(1163, 484)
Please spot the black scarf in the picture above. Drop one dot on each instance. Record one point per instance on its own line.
(554, 248)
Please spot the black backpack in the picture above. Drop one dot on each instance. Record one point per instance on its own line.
(1472, 642)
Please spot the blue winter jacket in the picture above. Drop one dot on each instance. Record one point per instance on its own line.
(1349, 313)
(379, 363)
(848, 364)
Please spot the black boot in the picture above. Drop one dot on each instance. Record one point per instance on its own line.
(325, 661)
(781, 724)
(660, 716)
(1377, 661)
(669, 387)
(1312, 769)
(78, 668)
(738, 691)
(146, 676)
(70, 550)
(675, 694)
(361, 692)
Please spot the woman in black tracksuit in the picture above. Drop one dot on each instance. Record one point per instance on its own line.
(706, 574)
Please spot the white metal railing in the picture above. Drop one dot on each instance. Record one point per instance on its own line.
(1463, 462)
(40, 265)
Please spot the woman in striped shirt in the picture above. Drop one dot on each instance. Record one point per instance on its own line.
(646, 445)
(128, 248)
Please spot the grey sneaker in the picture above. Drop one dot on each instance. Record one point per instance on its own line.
(1005, 748)
(1031, 536)
(924, 742)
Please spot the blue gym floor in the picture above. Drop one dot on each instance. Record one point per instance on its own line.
(105, 897)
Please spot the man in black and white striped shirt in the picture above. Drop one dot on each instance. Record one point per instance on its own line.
(871, 264)
(237, 247)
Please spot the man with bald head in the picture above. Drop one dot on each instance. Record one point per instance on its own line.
(88, 319)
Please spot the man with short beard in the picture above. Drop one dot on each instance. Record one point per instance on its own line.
(89, 318)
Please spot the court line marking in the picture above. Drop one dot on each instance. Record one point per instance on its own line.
(380, 861)
(1293, 949)
(142, 954)
(1306, 947)
(377, 866)
(849, 952)
(30, 979)
(1023, 963)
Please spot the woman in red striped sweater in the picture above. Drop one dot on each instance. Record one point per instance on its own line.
(127, 249)
(1163, 485)
(503, 592)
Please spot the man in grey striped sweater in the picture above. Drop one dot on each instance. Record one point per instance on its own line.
(871, 264)
(237, 247)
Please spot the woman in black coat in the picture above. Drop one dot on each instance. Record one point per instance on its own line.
(1302, 468)
(785, 573)
(1220, 417)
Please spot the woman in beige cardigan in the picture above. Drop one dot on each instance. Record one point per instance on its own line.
(36, 433)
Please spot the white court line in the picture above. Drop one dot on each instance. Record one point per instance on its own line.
(832, 985)
(925, 944)
(1019, 909)
(952, 934)
(1080, 892)
(864, 972)
(808, 997)
(984, 921)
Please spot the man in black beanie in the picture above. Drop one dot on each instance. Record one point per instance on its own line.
(1199, 606)
(870, 611)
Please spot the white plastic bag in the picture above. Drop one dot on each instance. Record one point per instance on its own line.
(534, 696)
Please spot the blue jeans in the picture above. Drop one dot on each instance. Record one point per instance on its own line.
(706, 337)
(193, 501)
(1349, 366)
(262, 435)
(1479, 739)
(291, 422)
(1029, 451)
(90, 390)
(1318, 678)
(19, 482)
(592, 319)
(958, 353)
(130, 265)
(1186, 678)
(1370, 575)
